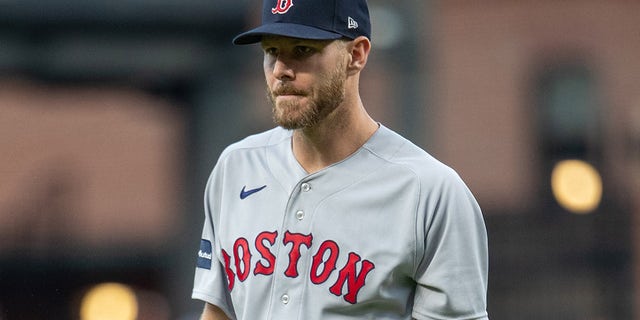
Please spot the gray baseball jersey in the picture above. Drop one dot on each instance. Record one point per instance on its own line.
(388, 233)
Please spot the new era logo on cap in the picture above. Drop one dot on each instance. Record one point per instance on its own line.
(311, 19)
(352, 24)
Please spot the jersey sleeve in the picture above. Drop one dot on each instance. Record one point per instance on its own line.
(210, 281)
(452, 271)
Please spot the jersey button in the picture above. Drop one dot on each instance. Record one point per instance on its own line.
(284, 298)
(305, 187)
(300, 215)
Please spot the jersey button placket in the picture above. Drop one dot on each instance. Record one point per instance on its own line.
(285, 288)
(304, 187)
(285, 299)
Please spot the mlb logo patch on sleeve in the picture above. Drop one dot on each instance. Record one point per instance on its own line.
(204, 255)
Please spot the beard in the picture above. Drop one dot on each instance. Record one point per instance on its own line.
(296, 114)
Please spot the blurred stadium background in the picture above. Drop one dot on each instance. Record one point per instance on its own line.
(112, 114)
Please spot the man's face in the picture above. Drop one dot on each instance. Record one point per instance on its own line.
(305, 79)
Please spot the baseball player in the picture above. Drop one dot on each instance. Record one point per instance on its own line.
(331, 215)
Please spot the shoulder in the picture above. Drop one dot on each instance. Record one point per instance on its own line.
(256, 142)
(404, 155)
(248, 154)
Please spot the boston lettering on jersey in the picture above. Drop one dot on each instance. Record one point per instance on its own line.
(323, 264)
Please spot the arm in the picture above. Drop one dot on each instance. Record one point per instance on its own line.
(452, 272)
(212, 312)
(210, 283)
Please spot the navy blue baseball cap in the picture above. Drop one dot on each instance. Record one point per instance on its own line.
(311, 19)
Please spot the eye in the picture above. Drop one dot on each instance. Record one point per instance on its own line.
(304, 50)
(270, 51)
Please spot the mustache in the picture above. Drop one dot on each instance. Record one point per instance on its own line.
(284, 89)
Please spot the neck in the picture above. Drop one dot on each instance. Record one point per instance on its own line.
(338, 136)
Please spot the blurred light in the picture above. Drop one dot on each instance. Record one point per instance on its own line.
(577, 186)
(109, 301)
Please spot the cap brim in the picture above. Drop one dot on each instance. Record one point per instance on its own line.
(287, 30)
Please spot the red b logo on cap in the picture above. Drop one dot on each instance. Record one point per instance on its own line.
(282, 7)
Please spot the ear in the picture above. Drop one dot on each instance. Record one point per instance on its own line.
(359, 49)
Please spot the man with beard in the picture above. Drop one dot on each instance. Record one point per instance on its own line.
(331, 215)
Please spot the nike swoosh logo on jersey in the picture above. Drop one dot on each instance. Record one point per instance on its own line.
(245, 193)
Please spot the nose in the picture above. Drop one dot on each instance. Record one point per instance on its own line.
(282, 69)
